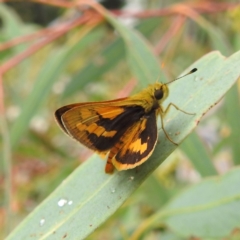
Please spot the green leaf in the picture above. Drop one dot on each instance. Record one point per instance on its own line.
(141, 59)
(93, 71)
(214, 33)
(232, 110)
(92, 196)
(208, 209)
(12, 24)
(201, 159)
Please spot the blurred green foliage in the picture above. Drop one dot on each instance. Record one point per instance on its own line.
(89, 64)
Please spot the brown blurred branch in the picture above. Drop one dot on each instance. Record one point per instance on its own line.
(203, 7)
(52, 35)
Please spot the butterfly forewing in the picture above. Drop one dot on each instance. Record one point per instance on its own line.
(98, 126)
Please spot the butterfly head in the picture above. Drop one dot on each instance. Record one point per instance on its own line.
(160, 91)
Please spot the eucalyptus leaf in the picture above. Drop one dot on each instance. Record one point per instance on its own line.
(208, 209)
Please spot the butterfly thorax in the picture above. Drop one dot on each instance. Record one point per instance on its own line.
(151, 97)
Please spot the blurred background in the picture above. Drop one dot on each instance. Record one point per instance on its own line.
(52, 55)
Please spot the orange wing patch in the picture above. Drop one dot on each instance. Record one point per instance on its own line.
(109, 112)
(138, 146)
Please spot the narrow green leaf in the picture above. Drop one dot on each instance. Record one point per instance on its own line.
(206, 210)
(232, 110)
(218, 39)
(93, 71)
(141, 59)
(13, 26)
(194, 148)
(155, 192)
(90, 196)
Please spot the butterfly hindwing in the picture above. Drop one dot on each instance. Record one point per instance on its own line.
(136, 144)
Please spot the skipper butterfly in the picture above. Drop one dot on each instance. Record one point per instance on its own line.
(125, 128)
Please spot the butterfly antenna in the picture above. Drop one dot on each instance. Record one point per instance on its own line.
(192, 71)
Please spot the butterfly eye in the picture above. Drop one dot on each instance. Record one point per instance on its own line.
(158, 94)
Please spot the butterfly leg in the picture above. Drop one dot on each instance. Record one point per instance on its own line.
(164, 112)
(172, 104)
(161, 116)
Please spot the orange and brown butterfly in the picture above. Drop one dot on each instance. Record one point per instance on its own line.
(125, 128)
